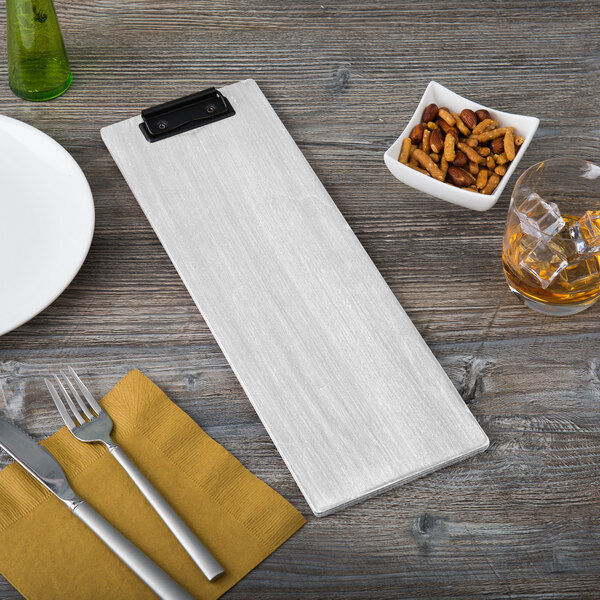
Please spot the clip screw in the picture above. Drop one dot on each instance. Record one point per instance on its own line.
(210, 108)
(162, 125)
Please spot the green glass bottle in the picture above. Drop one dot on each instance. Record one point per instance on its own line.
(38, 67)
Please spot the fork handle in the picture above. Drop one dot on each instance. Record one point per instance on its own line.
(149, 572)
(192, 545)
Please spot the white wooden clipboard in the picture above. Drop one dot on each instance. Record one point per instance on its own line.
(348, 390)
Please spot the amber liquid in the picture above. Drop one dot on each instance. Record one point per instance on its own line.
(578, 282)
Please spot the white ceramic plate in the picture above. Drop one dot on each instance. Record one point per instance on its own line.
(46, 221)
(438, 94)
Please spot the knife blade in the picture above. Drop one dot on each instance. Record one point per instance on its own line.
(37, 460)
(43, 466)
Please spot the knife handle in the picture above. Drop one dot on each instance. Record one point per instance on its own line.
(149, 572)
(192, 545)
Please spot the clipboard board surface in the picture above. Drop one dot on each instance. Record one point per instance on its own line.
(349, 392)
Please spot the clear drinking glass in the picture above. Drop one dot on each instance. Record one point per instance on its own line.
(551, 249)
(38, 67)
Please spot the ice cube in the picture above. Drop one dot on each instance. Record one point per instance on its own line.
(567, 245)
(538, 217)
(585, 233)
(584, 273)
(545, 260)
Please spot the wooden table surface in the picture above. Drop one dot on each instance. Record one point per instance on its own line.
(520, 520)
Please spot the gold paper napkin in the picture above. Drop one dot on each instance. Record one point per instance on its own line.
(47, 553)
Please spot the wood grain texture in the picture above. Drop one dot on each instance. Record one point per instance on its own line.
(341, 379)
(520, 520)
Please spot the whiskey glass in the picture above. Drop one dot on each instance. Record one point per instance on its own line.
(551, 246)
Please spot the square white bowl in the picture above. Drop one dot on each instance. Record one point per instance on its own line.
(435, 93)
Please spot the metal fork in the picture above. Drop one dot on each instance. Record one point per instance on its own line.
(94, 425)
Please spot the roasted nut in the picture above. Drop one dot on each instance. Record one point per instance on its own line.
(416, 135)
(435, 157)
(519, 140)
(426, 134)
(483, 151)
(425, 161)
(460, 125)
(493, 181)
(472, 155)
(482, 178)
(468, 117)
(482, 126)
(448, 129)
(430, 113)
(449, 150)
(500, 170)
(482, 114)
(509, 146)
(497, 146)
(405, 151)
(444, 114)
(436, 141)
(460, 160)
(431, 126)
(459, 177)
(486, 136)
(473, 168)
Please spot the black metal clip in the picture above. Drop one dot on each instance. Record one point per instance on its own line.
(185, 113)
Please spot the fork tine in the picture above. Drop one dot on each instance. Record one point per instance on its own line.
(78, 399)
(64, 413)
(86, 393)
(66, 396)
